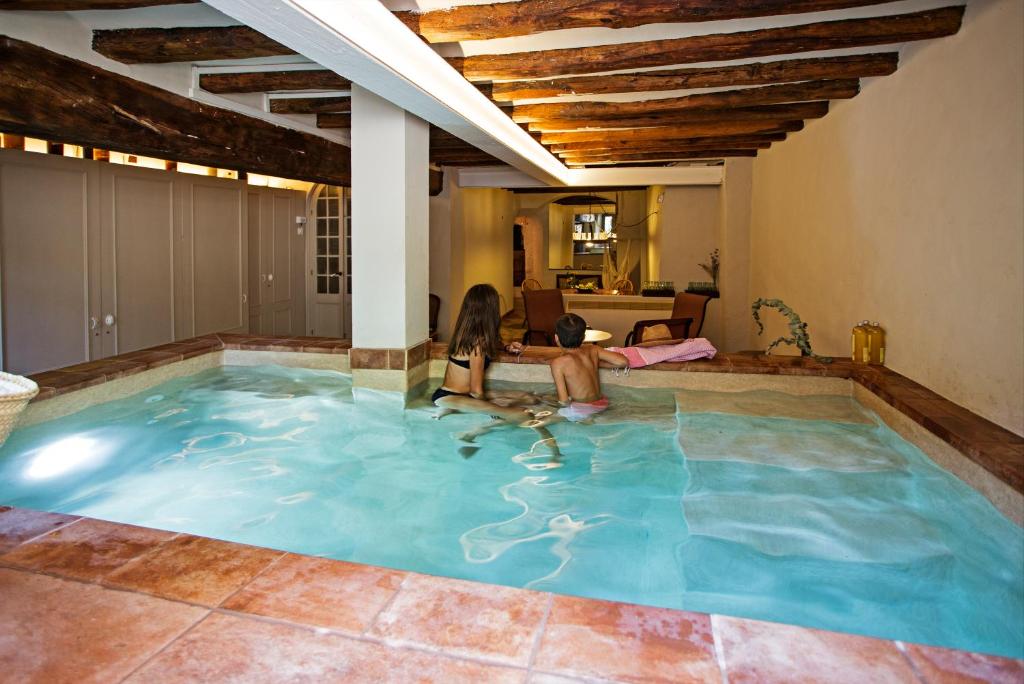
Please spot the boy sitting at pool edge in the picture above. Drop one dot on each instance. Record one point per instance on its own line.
(575, 371)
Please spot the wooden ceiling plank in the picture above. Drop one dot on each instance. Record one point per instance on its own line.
(507, 19)
(763, 95)
(825, 35)
(784, 112)
(708, 130)
(48, 95)
(310, 105)
(755, 73)
(666, 149)
(273, 81)
(79, 5)
(334, 120)
(184, 44)
(678, 156)
(599, 146)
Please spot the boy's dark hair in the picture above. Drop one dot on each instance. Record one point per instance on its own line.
(571, 330)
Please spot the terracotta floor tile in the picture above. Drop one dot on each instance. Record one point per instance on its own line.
(464, 618)
(86, 550)
(18, 525)
(319, 592)
(54, 630)
(225, 648)
(946, 666)
(587, 638)
(195, 569)
(769, 652)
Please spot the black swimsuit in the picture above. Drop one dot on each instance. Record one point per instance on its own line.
(441, 392)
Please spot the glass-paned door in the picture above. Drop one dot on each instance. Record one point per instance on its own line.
(330, 266)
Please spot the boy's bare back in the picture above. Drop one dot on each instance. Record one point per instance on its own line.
(575, 372)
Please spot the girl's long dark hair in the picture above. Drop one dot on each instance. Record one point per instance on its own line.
(479, 323)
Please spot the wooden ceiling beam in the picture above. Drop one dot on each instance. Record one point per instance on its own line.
(184, 44)
(48, 95)
(761, 95)
(603, 146)
(709, 130)
(824, 35)
(79, 5)
(668, 149)
(507, 19)
(271, 81)
(310, 105)
(784, 112)
(678, 156)
(756, 73)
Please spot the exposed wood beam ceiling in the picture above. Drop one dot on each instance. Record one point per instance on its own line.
(273, 81)
(732, 141)
(699, 130)
(184, 44)
(507, 19)
(51, 96)
(784, 112)
(761, 95)
(673, 156)
(824, 35)
(310, 105)
(756, 73)
(78, 5)
(639, 111)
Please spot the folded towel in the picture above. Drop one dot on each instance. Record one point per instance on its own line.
(688, 350)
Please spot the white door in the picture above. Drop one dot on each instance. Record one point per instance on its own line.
(49, 249)
(138, 262)
(329, 263)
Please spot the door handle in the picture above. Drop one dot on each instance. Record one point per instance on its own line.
(93, 322)
(109, 320)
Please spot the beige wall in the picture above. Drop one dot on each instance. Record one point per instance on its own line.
(904, 205)
(470, 243)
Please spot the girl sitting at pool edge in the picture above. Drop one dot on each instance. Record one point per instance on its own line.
(475, 340)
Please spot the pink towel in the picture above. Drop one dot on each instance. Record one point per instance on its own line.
(689, 350)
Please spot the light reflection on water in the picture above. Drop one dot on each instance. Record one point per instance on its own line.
(832, 523)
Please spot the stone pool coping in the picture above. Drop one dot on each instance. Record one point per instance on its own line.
(994, 448)
(163, 606)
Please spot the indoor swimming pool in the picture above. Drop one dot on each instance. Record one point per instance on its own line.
(797, 509)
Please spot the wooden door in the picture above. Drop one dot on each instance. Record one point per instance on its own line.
(138, 229)
(49, 236)
(217, 226)
(276, 261)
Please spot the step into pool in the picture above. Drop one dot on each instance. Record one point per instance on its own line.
(798, 509)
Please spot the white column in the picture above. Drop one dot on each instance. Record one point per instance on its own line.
(390, 224)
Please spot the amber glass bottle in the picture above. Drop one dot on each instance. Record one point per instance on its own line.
(861, 351)
(876, 344)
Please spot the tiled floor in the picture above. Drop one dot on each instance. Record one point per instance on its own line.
(88, 601)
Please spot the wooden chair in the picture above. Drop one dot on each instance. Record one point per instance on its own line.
(689, 307)
(530, 284)
(624, 287)
(435, 309)
(543, 308)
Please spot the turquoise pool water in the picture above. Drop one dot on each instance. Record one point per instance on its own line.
(800, 510)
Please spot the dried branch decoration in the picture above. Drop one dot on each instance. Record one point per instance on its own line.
(797, 328)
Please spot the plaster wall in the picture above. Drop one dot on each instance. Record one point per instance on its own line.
(470, 243)
(904, 205)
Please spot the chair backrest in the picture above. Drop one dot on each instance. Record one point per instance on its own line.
(543, 308)
(531, 284)
(678, 329)
(435, 308)
(624, 287)
(693, 306)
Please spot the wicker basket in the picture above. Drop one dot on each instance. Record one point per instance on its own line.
(15, 393)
